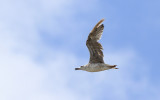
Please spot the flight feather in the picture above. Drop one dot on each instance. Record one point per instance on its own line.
(94, 47)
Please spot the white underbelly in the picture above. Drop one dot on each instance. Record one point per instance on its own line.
(96, 67)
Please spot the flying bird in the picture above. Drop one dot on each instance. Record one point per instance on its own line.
(96, 62)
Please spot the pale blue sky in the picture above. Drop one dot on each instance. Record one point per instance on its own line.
(42, 41)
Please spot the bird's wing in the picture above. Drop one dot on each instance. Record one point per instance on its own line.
(94, 47)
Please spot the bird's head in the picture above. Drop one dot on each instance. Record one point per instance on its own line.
(81, 68)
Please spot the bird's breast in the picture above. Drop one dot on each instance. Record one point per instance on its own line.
(96, 67)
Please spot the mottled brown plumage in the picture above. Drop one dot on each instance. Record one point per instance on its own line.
(94, 47)
(96, 62)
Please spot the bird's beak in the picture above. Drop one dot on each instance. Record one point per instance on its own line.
(77, 69)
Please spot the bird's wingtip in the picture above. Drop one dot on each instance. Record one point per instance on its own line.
(102, 19)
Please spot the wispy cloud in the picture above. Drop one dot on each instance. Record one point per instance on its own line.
(32, 70)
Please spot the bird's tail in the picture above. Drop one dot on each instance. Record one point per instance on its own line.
(114, 67)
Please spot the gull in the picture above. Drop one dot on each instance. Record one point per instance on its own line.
(96, 62)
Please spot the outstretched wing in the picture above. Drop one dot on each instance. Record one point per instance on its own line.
(94, 47)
